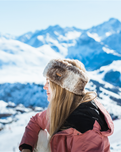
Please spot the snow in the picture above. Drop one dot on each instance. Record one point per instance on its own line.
(2, 105)
(3, 109)
(115, 139)
(56, 33)
(95, 36)
(117, 132)
(114, 66)
(7, 36)
(110, 105)
(107, 50)
(11, 136)
(63, 50)
(15, 74)
(108, 93)
(116, 147)
(71, 35)
(104, 97)
(108, 34)
(41, 38)
(23, 63)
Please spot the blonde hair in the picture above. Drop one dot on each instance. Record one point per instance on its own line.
(63, 102)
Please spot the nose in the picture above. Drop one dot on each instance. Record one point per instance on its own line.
(45, 86)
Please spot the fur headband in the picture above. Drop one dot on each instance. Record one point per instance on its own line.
(66, 75)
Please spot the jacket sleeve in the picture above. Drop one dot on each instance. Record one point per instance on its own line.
(35, 124)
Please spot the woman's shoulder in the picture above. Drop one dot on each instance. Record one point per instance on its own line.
(42, 113)
(84, 117)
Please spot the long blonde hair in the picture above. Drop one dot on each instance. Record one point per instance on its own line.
(63, 102)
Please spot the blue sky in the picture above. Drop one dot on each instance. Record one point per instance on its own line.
(20, 16)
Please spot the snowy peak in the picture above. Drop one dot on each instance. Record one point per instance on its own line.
(115, 23)
(114, 42)
(92, 53)
(25, 37)
(87, 40)
(56, 37)
(106, 29)
(60, 39)
(56, 28)
(38, 38)
(49, 30)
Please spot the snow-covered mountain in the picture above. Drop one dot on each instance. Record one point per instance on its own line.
(23, 58)
(110, 73)
(99, 33)
(23, 63)
(90, 46)
(55, 36)
(92, 53)
(102, 31)
(114, 42)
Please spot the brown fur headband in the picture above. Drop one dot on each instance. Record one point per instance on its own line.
(66, 75)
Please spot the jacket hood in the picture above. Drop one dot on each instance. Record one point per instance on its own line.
(88, 116)
(108, 119)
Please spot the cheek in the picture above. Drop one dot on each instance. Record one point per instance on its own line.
(50, 90)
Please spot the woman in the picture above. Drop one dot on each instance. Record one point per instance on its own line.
(75, 120)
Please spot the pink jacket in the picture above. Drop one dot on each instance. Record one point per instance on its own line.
(71, 140)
